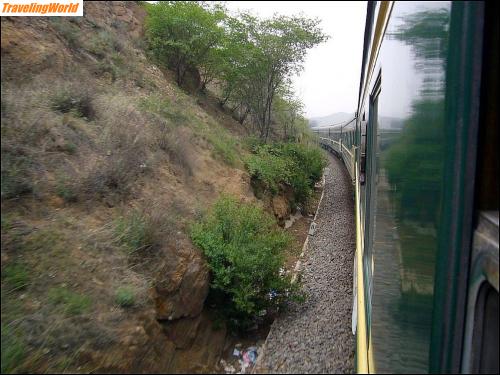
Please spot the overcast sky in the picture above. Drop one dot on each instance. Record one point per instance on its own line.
(330, 80)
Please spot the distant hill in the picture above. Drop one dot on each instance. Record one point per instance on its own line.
(334, 118)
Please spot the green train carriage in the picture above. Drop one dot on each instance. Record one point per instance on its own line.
(422, 155)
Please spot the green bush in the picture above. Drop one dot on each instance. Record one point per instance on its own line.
(308, 163)
(307, 158)
(253, 142)
(297, 165)
(125, 297)
(72, 303)
(244, 249)
(270, 166)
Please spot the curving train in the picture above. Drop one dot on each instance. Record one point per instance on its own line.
(421, 151)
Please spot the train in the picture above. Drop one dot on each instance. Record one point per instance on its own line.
(421, 152)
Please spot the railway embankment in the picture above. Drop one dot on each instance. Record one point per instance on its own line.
(315, 336)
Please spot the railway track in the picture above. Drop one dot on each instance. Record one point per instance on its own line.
(316, 337)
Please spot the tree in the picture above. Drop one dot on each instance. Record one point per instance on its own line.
(288, 111)
(281, 46)
(252, 60)
(186, 34)
(237, 67)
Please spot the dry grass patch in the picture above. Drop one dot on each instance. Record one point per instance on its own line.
(50, 322)
(177, 145)
(43, 124)
(125, 148)
(145, 228)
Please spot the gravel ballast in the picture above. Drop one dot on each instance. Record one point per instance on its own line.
(316, 336)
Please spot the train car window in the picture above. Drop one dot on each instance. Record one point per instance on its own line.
(362, 144)
(371, 188)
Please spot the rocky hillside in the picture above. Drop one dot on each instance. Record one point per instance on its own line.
(105, 162)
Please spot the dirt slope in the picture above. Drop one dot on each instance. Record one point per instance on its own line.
(101, 151)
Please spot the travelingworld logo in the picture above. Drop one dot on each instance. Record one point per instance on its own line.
(41, 8)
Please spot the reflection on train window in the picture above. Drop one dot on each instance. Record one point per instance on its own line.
(371, 188)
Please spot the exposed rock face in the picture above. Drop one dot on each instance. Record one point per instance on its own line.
(205, 351)
(145, 350)
(182, 332)
(181, 287)
(188, 345)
